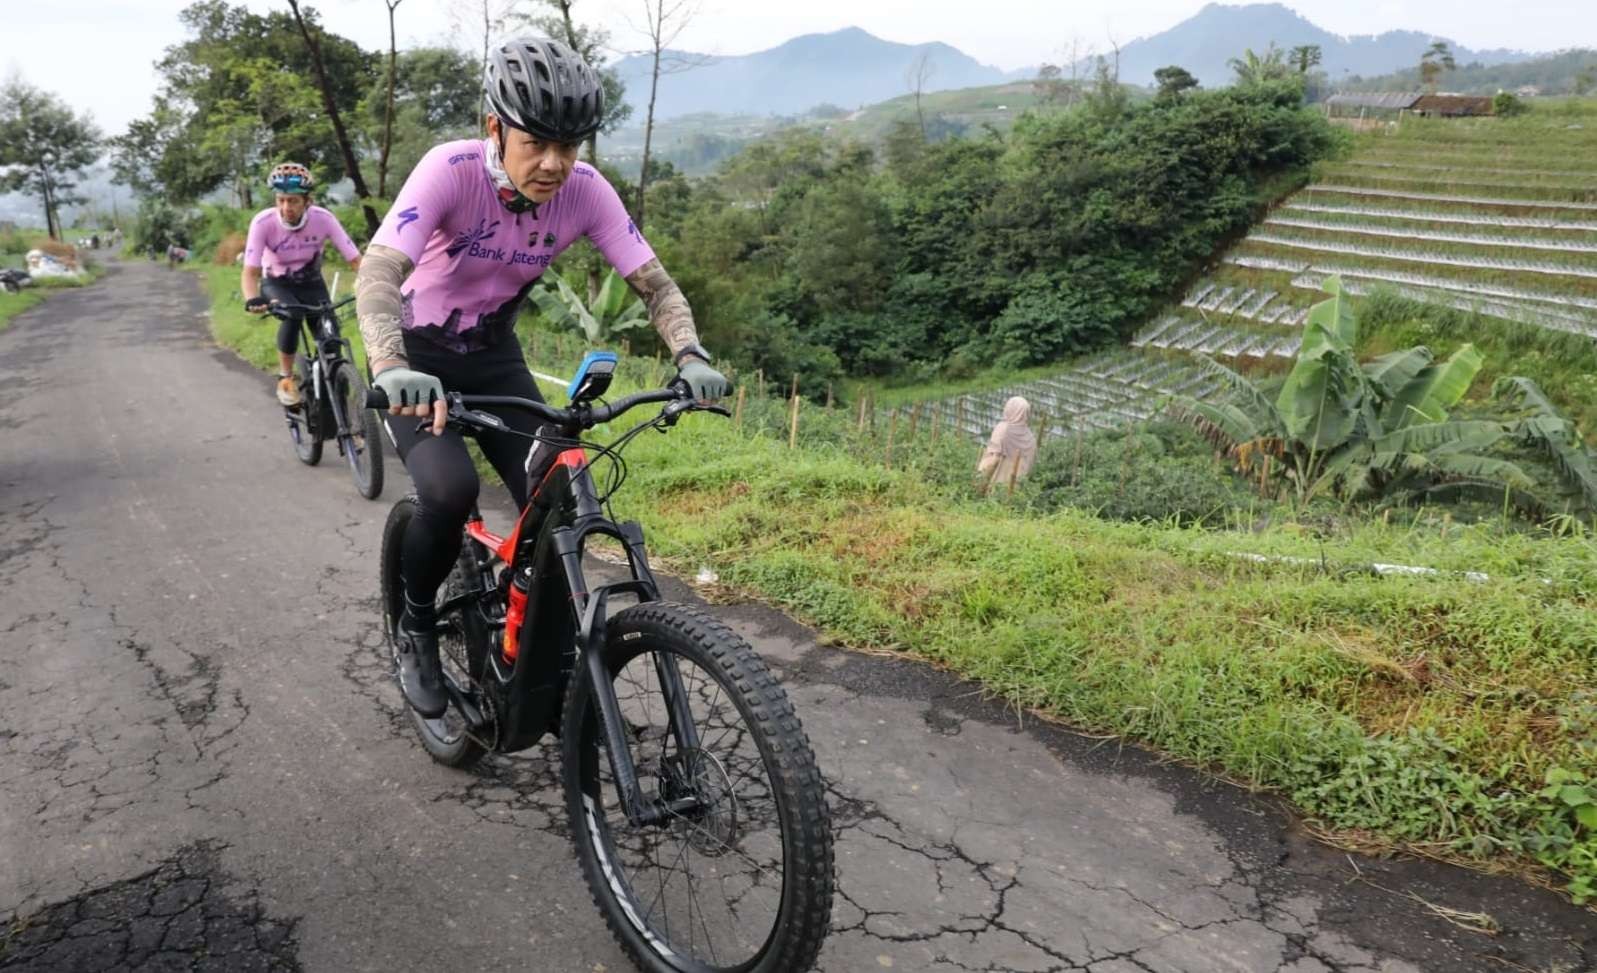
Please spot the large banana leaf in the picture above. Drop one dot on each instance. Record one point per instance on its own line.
(1390, 373)
(1323, 398)
(1229, 425)
(1326, 397)
(611, 310)
(1527, 390)
(1253, 403)
(1472, 467)
(616, 307)
(1437, 388)
(1332, 320)
(1555, 436)
(1440, 436)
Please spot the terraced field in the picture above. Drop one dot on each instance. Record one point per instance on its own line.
(1487, 215)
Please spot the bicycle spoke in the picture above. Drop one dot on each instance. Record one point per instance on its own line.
(716, 891)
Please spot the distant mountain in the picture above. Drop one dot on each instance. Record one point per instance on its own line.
(848, 68)
(1203, 44)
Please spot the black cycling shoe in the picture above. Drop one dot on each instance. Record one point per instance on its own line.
(421, 676)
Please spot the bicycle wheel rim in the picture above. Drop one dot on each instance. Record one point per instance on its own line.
(662, 876)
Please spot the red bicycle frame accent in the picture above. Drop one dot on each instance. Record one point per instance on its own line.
(505, 549)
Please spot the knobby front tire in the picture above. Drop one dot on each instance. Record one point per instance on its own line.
(363, 448)
(744, 883)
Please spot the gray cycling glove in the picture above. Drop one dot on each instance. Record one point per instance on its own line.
(707, 383)
(405, 386)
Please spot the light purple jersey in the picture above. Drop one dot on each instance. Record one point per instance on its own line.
(476, 260)
(295, 254)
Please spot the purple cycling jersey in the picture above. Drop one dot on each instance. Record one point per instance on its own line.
(295, 254)
(475, 260)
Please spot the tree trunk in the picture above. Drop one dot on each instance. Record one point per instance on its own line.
(648, 137)
(49, 214)
(388, 109)
(348, 151)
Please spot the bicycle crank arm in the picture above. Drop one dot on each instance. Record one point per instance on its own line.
(468, 710)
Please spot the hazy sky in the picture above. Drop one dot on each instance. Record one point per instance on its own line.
(97, 55)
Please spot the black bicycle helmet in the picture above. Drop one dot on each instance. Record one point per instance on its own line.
(543, 88)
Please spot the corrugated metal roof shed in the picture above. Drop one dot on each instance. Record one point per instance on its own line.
(1373, 99)
(1455, 104)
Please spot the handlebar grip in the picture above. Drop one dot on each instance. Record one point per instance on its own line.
(377, 399)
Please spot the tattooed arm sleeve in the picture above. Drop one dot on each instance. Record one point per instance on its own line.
(668, 309)
(378, 304)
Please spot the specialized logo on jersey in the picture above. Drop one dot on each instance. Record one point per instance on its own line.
(406, 218)
(471, 238)
(457, 159)
(632, 228)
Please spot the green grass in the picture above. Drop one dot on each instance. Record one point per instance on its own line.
(13, 304)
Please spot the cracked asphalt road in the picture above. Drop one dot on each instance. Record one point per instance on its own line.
(203, 765)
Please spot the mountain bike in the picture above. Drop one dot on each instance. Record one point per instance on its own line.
(694, 802)
(331, 390)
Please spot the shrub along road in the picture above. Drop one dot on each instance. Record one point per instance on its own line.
(202, 760)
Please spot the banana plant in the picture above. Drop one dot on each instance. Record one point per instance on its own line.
(1547, 430)
(1358, 430)
(613, 310)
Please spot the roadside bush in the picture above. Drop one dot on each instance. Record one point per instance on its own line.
(1162, 472)
(160, 224)
(228, 250)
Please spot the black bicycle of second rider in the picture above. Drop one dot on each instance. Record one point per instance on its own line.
(332, 391)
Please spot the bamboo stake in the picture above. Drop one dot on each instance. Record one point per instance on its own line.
(936, 416)
(860, 427)
(737, 413)
(792, 435)
(1014, 474)
(760, 377)
(914, 420)
(987, 484)
(1042, 427)
(828, 396)
(892, 427)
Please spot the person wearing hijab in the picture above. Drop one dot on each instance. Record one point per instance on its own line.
(1011, 449)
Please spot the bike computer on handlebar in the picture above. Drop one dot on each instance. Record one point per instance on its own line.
(593, 376)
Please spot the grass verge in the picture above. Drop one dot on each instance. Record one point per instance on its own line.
(12, 305)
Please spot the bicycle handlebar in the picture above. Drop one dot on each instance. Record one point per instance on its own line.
(278, 309)
(462, 408)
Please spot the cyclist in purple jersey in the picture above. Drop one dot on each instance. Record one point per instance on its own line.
(474, 227)
(283, 261)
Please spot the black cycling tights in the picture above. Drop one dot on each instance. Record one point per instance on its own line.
(441, 467)
(288, 290)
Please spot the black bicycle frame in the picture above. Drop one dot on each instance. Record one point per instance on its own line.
(562, 609)
(325, 352)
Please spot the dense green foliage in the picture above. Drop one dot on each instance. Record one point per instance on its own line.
(237, 96)
(803, 256)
